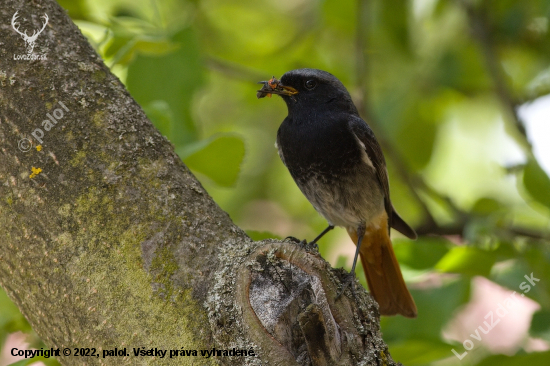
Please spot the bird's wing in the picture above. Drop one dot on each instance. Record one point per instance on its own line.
(279, 150)
(367, 140)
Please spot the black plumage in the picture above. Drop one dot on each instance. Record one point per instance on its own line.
(337, 163)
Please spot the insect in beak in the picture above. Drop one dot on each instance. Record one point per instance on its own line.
(274, 86)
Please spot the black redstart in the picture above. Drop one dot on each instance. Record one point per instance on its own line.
(337, 163)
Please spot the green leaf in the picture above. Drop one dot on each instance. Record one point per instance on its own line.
(536, 182)
(340, 15)
(540, 325)
(510, 274)
(412, 117)
(154, 46)
(161, 115)
(117, 44)
(393, 15)
(77, 9)
(485, 206)
(530, 359)
(173, 78)
(457, 61)
(30, 361)
(219, 158)
(435, 307)
(505, 251)
(537, 258)
(467, 260)
(423, 253)
(422, 147)
(11, 319)
(261, 235)
(21, 363)
(420, 351)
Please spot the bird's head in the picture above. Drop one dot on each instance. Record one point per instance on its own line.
(311, 88)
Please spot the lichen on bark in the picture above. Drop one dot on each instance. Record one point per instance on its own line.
(114, 243)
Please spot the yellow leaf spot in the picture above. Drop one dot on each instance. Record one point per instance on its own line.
(39, 147)
(35, 172)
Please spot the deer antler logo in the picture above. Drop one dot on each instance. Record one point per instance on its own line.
(29, 40)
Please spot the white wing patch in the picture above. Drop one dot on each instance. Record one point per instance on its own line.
(280, 153)
(364, 156)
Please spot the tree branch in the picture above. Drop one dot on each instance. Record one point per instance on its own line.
(107, 240)
(477, 15)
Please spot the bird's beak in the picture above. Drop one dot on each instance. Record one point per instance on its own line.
(284, 90)
(274, 86)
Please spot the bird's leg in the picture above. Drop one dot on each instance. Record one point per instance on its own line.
(296, 240)
(313, 244)
(350, 279)
(329, 228)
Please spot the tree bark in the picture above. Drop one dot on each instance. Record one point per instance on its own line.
(107, 240)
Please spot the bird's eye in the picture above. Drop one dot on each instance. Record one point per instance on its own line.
(310, 84)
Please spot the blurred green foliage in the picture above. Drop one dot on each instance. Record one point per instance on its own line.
(11, 321)
(440, 81)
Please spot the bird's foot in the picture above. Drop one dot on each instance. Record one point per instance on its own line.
(349, 280)
(304, 244)
(312, 247)
(295, 240)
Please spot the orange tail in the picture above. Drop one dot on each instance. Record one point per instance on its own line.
(384, 277)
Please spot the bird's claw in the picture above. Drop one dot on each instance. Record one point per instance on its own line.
(303, 244)
(348, 280)
(312, 247)
(294, 239)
